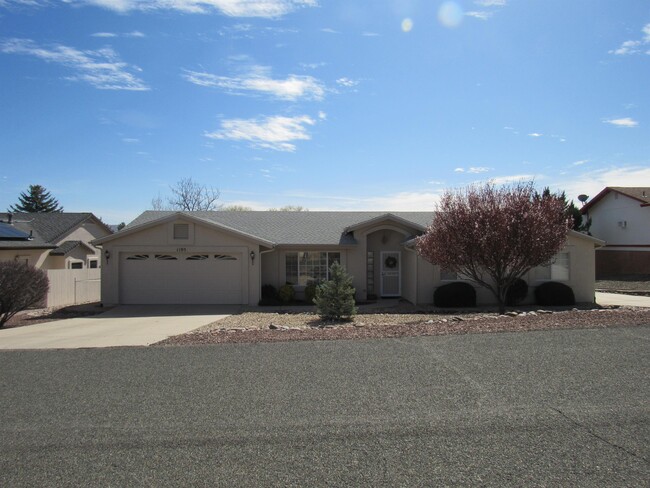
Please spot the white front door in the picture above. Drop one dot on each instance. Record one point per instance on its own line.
(391, 279)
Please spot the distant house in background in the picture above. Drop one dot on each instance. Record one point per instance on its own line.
(621, 217)
(55, 240)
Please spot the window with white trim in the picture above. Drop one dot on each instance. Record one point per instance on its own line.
(93, 263)
(309, 266)
(557, 270)
(76, 265)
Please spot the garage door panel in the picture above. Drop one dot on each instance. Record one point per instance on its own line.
(214, 278)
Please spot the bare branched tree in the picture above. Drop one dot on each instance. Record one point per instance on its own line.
(188, 195)
(495, 235)
(290, 208)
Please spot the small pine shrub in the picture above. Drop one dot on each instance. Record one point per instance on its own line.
(554, 293)
(286, 293)
(310, 292)
(335, 298)
(457, 294)
(517, 292)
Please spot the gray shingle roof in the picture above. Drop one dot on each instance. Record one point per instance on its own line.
(46, 228)
(65, 248)
(291, 228)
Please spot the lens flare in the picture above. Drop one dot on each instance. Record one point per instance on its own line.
(450, 14)
(407, 25)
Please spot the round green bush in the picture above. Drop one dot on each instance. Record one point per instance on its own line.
(517, 292)
(457, 294)
(554, 293)
(286, 293)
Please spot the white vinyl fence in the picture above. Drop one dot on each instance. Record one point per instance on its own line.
(73, 286)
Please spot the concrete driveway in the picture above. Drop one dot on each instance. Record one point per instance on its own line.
(622, 300)
(126, 325)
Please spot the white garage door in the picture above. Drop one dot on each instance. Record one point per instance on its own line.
(181, 278)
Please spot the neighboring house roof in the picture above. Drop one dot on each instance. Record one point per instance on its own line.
(9, 233)
(68, 246)
(46, 228)
(285, 228)
(638, 193)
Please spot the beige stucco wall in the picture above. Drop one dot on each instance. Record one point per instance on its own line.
(582, 275)
(34, 257)
(159, 238)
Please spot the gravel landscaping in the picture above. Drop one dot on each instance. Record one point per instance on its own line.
(302, 325)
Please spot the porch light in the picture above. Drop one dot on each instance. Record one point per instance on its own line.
(107, 254)
(252, 255)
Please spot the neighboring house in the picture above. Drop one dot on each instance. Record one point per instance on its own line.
(621, 217)
(224, 257)
(54, 240)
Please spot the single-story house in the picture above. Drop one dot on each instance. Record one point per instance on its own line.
(621, 217)
(225, 257)
(52, 240)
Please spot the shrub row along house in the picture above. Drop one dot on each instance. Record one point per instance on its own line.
(225, 257)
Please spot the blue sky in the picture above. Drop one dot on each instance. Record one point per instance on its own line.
(341, 105)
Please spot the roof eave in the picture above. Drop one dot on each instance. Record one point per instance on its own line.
(175, 216)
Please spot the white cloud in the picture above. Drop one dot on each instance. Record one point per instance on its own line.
(535, 134)
(623, 122)
(635, 46)
(231, 8)
(479, 14)
(258, 80)
(275, 132)
(347, 82)
(595, 180)
(370, 34)
(322, 115)
(101, 68)
(491, 3)
(329, 30)
(580, 163)
(113, 34)
(473, 170)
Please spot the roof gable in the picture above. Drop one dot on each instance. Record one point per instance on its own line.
(639, 193)
(284, 228)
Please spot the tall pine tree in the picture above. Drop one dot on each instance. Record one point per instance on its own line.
(36, 200)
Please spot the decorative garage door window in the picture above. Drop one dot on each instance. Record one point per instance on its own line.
(304, 267)
(137, 257)
(166, 257)
(197, 257)
(225, 257)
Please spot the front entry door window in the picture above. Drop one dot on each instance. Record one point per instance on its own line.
(391, 281)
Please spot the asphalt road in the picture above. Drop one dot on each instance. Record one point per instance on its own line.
(556, 408)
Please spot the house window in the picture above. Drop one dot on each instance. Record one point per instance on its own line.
(558, 270)
(449, 275)
(93, 263)
(165, 257)
(306, 266)
(182, 231)
(77, 265)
